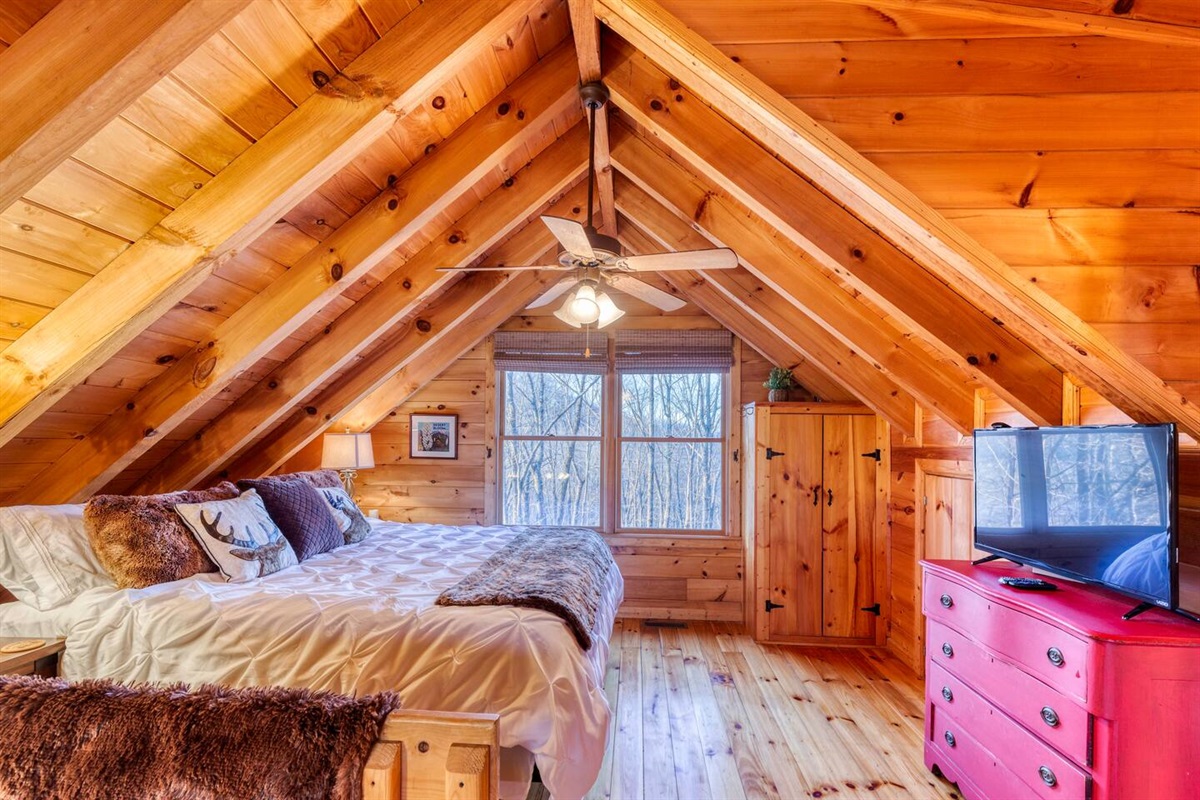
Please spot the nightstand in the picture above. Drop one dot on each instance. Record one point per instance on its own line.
(39, 661)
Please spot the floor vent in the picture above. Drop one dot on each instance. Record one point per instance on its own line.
(664, 623)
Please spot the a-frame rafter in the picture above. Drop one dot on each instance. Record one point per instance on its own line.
(586, 29)
(840, 364)
(836, 240)
(650, 177)
(849, 179)
(256, 411)
(327, 130)
(80, 66)
(417, 197)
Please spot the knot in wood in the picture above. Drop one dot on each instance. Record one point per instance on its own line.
(319, 78)
(204, 369)
(310, 410)
(656, 104)
(503, 109)
(424, 325)
(429, 148)
(439, 102)
(336, 272)
(423, 747)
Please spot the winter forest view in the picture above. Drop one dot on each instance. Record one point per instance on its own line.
(668, 449)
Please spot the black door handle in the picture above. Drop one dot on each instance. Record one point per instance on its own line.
(773, 454)
(816, 495)
(830, 497)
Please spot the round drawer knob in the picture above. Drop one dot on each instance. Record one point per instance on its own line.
(946, 693)
(1049, 716)
(1047, 775)
(948, 650)
(1056, 657)
(947, 601)
(950, 740)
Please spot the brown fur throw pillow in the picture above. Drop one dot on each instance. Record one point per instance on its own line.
(141, 541)
(95, 740)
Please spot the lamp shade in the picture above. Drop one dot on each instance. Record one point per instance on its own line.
(347, 451)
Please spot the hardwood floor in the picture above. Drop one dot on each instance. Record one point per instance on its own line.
(705, 712)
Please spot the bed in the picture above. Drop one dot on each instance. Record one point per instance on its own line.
(358, 619)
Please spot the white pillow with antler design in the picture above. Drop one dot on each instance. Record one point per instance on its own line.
(239, 536)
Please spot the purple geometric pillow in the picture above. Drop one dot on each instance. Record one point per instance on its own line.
(301, 513)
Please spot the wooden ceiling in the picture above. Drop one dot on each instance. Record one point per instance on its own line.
(222, 220)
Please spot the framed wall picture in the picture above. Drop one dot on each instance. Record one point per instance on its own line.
(433, 435)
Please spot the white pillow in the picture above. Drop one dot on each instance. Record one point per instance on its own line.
(239, 536)
(46, 559)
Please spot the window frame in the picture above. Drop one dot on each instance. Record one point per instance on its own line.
(610, 443)
(501, 381)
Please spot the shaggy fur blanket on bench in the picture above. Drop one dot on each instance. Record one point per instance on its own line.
(95, 739)
(560, 570)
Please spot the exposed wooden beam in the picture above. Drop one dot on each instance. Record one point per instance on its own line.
(833, 238)
(1055, 15)
(470, 237)
(423, 51)
(887, 207)
(841, 364)
(649, 178)
(586, 30)
(735, 319)
(80, 66)
(481, 145)
(454, 324)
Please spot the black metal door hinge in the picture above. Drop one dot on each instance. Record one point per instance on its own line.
(772, 606)
(873, 609)
(773, 454)
(875, 454)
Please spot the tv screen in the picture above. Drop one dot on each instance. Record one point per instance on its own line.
(1093, 503)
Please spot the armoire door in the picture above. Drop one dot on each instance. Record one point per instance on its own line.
(848, 526)
(794, 526)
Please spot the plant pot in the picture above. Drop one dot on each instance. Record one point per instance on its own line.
(779, 395)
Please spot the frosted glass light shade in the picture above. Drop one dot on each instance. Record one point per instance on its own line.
(347, 451)
(564, 312)
(584, 306)
(608, 310)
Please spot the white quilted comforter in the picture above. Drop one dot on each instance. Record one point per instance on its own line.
(361, 619)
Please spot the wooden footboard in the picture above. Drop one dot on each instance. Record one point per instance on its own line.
(431, 755)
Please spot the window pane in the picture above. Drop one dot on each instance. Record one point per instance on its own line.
(685, 406)
(551, 483)
(546, 404)
(674, 485)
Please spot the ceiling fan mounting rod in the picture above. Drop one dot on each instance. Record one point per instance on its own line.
(595, 95)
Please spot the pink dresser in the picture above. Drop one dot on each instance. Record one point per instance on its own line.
(1053, 695)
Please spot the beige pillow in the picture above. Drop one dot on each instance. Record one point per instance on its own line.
(141, 541)
(240, 536)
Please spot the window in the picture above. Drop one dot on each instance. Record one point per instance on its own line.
(630, 437)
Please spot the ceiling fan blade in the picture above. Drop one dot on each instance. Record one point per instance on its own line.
(553, 293)
(570, 235)
(645, 293)
(716, 258)
(503, 268)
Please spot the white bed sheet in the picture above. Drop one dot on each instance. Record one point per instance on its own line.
(362, 619)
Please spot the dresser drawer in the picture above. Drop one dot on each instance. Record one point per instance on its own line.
(968, 763)
(1045, 712)
(995, 738)
(1057, 657)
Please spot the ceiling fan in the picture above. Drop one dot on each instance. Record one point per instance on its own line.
(597, 260)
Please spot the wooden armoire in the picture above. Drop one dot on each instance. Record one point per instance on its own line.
(814, 521)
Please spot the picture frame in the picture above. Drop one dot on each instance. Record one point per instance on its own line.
(433, 436)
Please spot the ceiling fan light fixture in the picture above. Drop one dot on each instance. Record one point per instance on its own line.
(583, 305)
(564, 312)
(609, 312)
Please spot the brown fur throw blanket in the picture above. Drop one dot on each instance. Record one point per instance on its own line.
(560, 570)
(96, 740)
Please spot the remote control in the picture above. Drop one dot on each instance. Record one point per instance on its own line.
(1029, 584)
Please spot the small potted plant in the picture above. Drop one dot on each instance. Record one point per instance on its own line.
(779, 384)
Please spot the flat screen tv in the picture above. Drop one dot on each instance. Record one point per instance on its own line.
(1097, 504)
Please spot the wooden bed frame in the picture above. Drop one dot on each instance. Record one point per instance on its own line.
(432, 755)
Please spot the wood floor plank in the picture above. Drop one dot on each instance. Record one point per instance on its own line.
(627, 747)
(658, 758)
